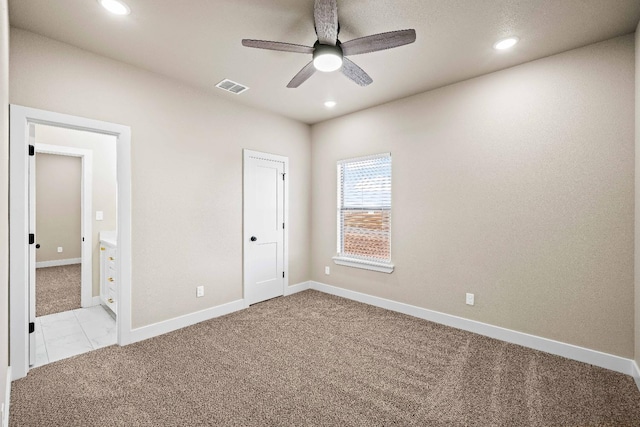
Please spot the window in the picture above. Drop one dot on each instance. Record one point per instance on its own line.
(364, 213)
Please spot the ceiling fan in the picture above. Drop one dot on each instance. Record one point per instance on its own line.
(329, 53)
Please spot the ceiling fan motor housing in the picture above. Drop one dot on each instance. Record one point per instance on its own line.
(326, 57)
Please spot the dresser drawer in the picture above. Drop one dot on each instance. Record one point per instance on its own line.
(110, 257)
(111, 294)
(111, 275)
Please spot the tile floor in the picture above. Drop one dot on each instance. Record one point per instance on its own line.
(74, 332)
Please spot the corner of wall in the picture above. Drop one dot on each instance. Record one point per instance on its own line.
(637, 201)
(4, 206)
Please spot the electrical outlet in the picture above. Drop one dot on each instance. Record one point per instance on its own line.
(470, 299)
(199, 291)
(59, 249)
(327, 270)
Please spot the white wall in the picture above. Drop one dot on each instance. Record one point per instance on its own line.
(517, 186)
(186, 170)
(4, 196)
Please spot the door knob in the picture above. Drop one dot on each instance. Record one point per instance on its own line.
(37, 245)
(254, 238)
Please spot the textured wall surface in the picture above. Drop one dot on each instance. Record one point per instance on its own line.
(517, 186)
(186, 149)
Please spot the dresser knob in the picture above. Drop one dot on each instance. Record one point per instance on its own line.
(111, 279)
(110, 300)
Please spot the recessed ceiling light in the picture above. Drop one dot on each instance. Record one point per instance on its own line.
(115, 6)
(505, 43)
(330, 104)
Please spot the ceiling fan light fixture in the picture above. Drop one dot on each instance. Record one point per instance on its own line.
(329, 53)
(506, 43)
(327, 58)
(115, 6)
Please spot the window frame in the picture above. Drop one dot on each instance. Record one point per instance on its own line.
(382, 266)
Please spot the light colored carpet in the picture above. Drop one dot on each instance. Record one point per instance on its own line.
(57, 289)
(312, 359)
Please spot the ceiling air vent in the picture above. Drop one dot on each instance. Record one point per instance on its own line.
(231, 86)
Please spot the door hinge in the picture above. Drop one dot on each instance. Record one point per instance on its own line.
(283, 176)
(283, 274)
(32, 238)
(32, 327)
(32, 150)
(283, 225)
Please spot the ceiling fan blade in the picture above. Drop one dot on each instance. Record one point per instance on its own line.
(378, 42)
(355, 73)
(325, 13)
(302, 76)
(284, 47)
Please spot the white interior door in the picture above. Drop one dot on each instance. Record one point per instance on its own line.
(32, 244)
(264, 226)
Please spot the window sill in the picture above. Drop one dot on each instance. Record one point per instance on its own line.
(381, 267)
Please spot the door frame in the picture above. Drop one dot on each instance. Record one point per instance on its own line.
(20, 118)
(246, 233)
(86, 209)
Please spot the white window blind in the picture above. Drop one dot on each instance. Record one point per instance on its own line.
(364, 209)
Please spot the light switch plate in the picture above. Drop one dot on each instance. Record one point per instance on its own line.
(470, 299)
(99, 215)
(59, 249)
(199, 291)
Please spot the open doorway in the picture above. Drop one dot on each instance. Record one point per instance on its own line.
(59, 238)
(27, 126)
(75, 204)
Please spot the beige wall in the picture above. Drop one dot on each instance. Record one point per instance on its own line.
(186, 170)
(58, 201)
(516, 186)
(637, 199)
(4, 196)
(104, 183)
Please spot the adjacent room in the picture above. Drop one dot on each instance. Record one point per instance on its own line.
(319, 212)
(75, 196)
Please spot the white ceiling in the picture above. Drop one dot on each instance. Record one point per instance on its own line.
(198, 42)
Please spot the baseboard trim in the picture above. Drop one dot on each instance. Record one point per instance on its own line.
(7, 399)
(570, 351)
(294, 289)
(160, 328)
(95, 301)
(636, 373)
(58, 262)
